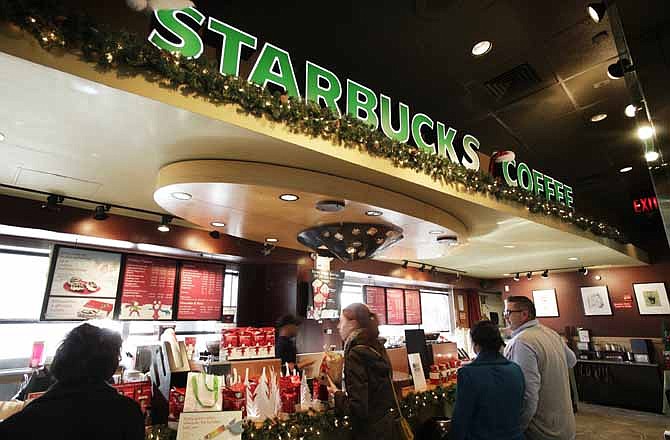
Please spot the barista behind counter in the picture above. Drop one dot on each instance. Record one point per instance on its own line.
(286, 350)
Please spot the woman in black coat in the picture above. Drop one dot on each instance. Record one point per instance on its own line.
(80, 405)
(367, 393)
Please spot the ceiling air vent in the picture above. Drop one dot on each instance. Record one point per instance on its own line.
(520, 80)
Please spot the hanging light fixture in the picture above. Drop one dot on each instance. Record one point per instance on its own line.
(584, 271)
(516, 277)
(529, 275)
(545, 274)
(53, 203)
(405, 264)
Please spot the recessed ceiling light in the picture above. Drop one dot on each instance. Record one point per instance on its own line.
(573, 258)
(217, 224)
(436, 232)
(373, 213)
(625, 169)
(645, 132)
(181, 195)
(631, 110)
(289, 197)
(651, 156)
(2, 137)
(509, 246)
(482, 48)
(271, 240)
(596, 11)
(164, 228)
(598, 117)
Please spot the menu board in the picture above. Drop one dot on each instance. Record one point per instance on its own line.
(395, 306)
(148, 288)
(83, 284)
(413, 307)
(200, 291)
(375, 298)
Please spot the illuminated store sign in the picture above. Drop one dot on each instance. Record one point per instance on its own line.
(536, 182)
(274, 66)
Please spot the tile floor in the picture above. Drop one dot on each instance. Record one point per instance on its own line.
(604, 423)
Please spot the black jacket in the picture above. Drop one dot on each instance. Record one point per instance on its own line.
(369, 394)
(92, 411)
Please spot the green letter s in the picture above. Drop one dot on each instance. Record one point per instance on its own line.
(190, 45)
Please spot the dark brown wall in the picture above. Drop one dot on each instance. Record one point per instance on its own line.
(266, 292)
(623, 322)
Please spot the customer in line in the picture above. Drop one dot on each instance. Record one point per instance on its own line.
(490, 391)
(80, 405)
(367, 392)
(545, 361)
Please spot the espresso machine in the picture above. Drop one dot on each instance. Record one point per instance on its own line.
(584, 347)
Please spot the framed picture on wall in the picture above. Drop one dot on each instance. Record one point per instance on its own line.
(652, 298)
(545, 303)
(596, 300)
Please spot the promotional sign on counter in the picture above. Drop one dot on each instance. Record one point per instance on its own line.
(413, 307)
(325, 298)
(210, 425)
(82, 284)
(200, 291)
(148, 288)
(375, 299)
(395, 306)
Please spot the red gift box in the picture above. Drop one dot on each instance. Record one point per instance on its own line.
(231, 339)
(176, 403)
(246, 338)
(234, 398)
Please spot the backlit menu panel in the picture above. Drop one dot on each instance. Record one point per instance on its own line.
(200, 291)
(413, 306)
(375, 298)
(148, 288)
(395, 306)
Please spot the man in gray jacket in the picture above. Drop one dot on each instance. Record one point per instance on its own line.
(544, 359)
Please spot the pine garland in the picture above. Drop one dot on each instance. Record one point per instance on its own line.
(130, 55)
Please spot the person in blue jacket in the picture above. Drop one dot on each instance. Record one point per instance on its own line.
(490, 391)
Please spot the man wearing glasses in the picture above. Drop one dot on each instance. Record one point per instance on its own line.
(544, 359)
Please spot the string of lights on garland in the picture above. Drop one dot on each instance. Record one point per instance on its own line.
(130, 55)
(311, 425)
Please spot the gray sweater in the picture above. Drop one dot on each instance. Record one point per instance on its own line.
(544, 359)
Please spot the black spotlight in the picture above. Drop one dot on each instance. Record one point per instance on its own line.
(597, 11)
(405, 264)
(423, 268)
(545, 274)
(584, 271)
(100, 212)
(53, 203)
(215, 235)
(618, 69)
(529, 275)
(433, 271)
(458, 276)
(164, 224)
(516, 277)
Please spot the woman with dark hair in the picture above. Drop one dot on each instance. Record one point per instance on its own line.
(81, 404)
(490, 391)
(367, 392)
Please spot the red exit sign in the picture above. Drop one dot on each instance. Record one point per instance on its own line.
(647, 204)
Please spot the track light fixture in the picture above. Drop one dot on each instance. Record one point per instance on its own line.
(597, 11)
(405, 264)
(215, 235)
(100, 212)
(423, 268)
(516, 277)
(433, 271)
(53, 203)
(458, 276)
(165, 221)
(584, 271)
(545, 274)
(529, 275)
(618, 69)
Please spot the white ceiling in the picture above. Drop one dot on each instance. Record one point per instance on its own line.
(68, 135)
